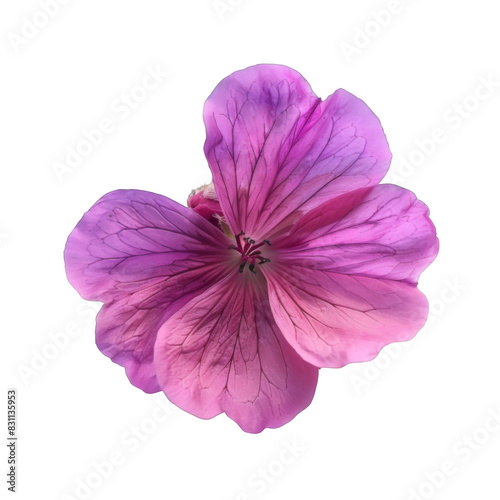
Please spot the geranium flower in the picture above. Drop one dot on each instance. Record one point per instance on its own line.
(294, 259)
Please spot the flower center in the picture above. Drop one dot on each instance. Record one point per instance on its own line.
(249, 251)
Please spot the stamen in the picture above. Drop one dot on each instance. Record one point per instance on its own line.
(249, 251)
(258, 246)
(238, 241)
(247, 246)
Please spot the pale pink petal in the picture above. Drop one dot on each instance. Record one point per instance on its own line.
(223, 352)
(332, 319)
(381, 232)
(144, 256)
(276, 151)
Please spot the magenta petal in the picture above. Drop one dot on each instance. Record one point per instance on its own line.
(126, 328)
(126, 333)
(332, 319)
(276, 151)
(223, 352)
(144, 256)
(130, 237)
(380, 232)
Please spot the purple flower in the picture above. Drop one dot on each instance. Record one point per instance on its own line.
(294, 259)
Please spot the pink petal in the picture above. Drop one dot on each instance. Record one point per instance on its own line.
(204, 202)
(144, 256)
(126, 333)
(381, 232)
(223, 352)
(276, 151)
(332, 319)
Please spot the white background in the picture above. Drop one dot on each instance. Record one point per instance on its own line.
(377, 430)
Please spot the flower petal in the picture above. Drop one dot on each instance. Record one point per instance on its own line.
(276, 151)
(380, 232)
(223, 352)
(126, 328)
(204, 202)
(332, 319)
(144, 256)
